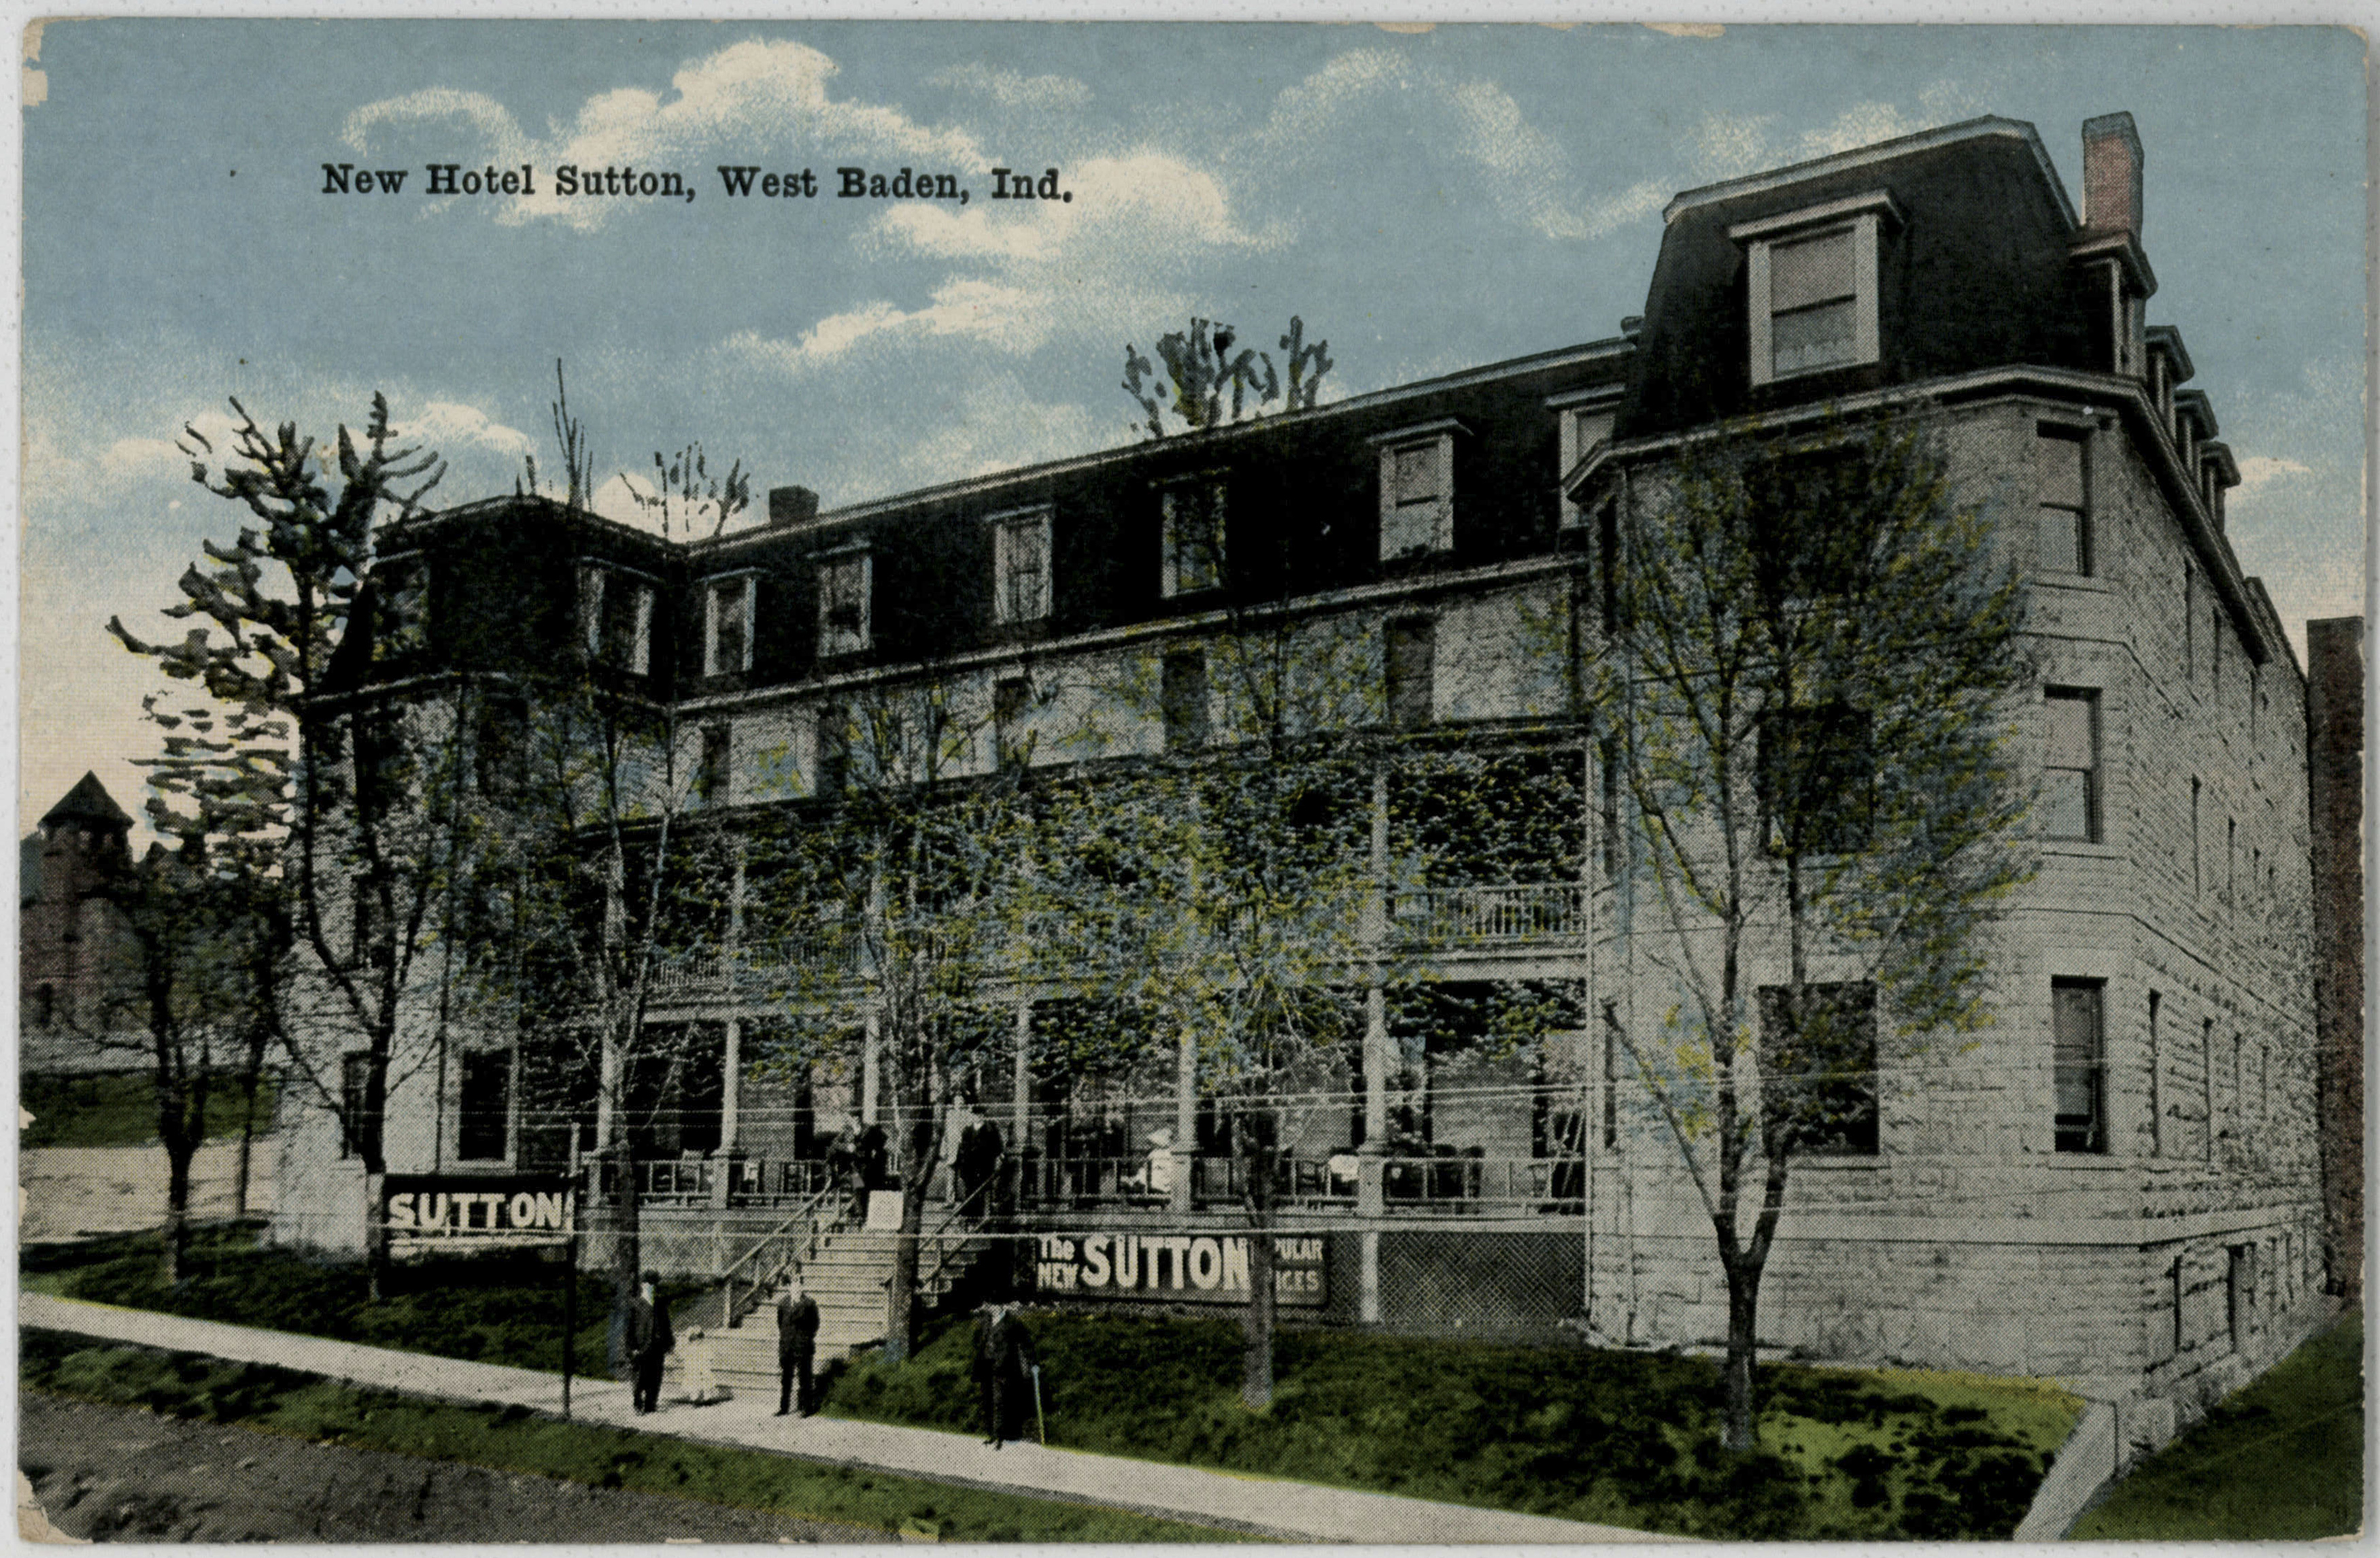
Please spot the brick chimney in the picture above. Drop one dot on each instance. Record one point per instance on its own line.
(789, 506)
(2111, 174)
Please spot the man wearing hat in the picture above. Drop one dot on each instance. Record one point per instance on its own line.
(647, 1343)
(797, 1329)
(1004, 1362)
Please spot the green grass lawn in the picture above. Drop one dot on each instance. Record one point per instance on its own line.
(121, 1109)
(1624, 1438)
(507, 1312)
(515, 1439)
(2279, 1460)
(1614, 1437)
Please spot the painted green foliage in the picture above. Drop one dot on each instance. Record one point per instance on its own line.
(1812, 680)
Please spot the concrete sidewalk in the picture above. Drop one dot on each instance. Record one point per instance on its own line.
(1293, 1511)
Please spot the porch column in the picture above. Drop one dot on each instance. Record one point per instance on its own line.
(1368, 1199)
(1020, 1111)
(730, 1083)
(869, 1068)
(723, 1159)
(1186, 1119)
(607, 1083)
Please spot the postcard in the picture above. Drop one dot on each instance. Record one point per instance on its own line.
(1028, 781)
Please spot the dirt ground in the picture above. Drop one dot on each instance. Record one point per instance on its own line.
(122, 1474)
(68, 1192)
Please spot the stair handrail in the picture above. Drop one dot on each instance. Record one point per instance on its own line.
(727, 1315)
(927, 1279)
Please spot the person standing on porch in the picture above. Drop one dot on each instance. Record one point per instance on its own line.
(797, 1329)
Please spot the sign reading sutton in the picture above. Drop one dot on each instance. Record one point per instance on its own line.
(1175, 1268)
(477, 1212)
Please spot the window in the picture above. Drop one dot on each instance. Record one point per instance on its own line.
(1183, 700)
(1194, 536)
(499, 743)
(1815, 772)
(2206, 1079)
(1823, 1070)
(1610, 1076)
(1610, 766)
(1009, 698)
(2156, 1080)
(2071, 781)
(1417, 490)
(727, 644)
(484, 1117)
(2197, 875)
(711, 777)
(356, 1122)
(2189, 624)
(2062, 473)
(616, 615)
(363, 921)
(1586, 420)
(45, 1005)
(1606, 547)
(1411, 672)
(2239, 1284)
(2077, 1063)
(846, 580)
(1812, 286)
(1020, 567)
(402, 596)
(833, 749)
(2231, 861)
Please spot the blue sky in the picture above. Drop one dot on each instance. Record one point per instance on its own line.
(1426, 201)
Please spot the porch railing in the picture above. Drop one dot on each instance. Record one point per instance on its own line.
(1451, 1180)
(1490, 916)
(1450, 917)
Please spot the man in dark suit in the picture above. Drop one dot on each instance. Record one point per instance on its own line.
(798, 1327)
(647, 1343)
(1004, 1362)
(976, 1161)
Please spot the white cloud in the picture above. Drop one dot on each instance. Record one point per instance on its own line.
(446, 425)
(1010, 88)
(617, 500)
(2257, 470)
(753, 98)
(1009, 319)
(1099, 267)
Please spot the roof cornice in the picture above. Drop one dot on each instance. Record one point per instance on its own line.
(1565, 357)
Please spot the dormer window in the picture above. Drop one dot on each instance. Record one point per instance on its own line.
(727, 625)
(1194, 518)
(1418, 490)
(616, 618)
(1020, 567)
(846, 581)
(1585, 419)
(1812, 286)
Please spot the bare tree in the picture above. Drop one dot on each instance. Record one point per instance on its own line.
(276, 607)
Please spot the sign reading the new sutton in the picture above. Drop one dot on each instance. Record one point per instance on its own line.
(428, 1211)
(1175, 1268)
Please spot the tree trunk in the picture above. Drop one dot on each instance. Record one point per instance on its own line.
(1255, 1388)
(174, 1239)
(917, 1175)
(627, 1244)
(251, 1081)
(1739, 1432)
